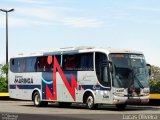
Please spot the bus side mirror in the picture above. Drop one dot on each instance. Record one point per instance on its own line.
(149, 69)
(111, 66)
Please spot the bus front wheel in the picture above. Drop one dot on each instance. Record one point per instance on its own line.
(90, 102)
(37, 100)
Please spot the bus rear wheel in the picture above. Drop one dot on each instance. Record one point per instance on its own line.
(37, 100)
(90, 102)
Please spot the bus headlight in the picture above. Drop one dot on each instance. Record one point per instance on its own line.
(145, 91)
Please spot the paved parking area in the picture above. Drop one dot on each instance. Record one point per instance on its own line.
(26, 110)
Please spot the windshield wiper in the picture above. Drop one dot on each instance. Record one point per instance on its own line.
(138, 81)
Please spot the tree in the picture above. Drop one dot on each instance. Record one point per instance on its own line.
(155, 80)
(155, 71)
(3, 77)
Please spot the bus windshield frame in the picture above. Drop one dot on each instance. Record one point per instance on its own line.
(129, 70)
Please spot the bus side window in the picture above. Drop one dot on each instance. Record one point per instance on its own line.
(102, 69)
(49, 66)
(78, 62)
(41, 64)
(104, 73)
(21, 65)
(44, 66)
(69, 62)
(86, 62)
(12, 62)
(31, 64)
(58, 57)
(14, 65)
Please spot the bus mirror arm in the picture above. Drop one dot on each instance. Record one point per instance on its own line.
(111, 66)
(149, 69)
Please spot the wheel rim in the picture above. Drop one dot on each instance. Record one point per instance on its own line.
(90, 101)
(37, 99)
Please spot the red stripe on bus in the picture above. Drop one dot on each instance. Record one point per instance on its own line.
(71, 89)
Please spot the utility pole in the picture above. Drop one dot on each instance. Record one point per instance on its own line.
(6, 11)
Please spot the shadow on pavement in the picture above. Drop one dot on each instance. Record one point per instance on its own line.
(100, 107)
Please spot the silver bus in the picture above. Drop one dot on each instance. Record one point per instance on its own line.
(81, 75)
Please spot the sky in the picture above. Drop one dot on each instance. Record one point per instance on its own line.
(42, 25)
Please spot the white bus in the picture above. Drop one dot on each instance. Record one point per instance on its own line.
(81, 75)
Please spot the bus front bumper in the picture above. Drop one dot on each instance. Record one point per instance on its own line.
(130, 100)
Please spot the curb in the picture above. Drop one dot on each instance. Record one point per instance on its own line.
(4, 96)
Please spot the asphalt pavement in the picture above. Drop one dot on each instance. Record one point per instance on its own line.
(25, 110)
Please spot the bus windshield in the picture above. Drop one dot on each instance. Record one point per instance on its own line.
(130, 70)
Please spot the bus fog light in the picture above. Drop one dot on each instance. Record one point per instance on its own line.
(116, 100)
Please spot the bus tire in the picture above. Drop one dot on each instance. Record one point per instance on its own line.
(121, 106)
(64, 104)
(90, 102)
(37, 100)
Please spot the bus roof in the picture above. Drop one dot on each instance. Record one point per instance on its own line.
(81, 50)
(92, 49)
(113, 50)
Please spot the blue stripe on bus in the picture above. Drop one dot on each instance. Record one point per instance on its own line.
(46, 82)
(93, 87)
(24, 86)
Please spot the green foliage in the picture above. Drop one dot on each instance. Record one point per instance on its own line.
(155, 80)
(3, 84)
(3, 78)
(155, 71)
(5, 69)
(155, 86)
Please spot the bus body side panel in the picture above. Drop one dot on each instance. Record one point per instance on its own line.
(70, 86)
(87, 81)
(67, 87)
(59, 86)
(21, 85)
